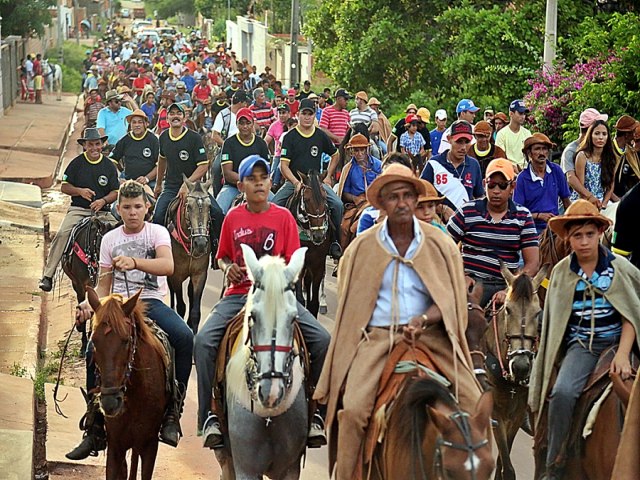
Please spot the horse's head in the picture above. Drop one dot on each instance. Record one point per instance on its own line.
(271, 310)
(313, 211)
(114, 337)
(197, 216)
(519, 323)
(463, 450)
(476, 327)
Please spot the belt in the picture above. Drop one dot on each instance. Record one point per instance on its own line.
(386, 327)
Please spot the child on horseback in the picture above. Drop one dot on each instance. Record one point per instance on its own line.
(133, 256)
(269, 230)
(604, 312)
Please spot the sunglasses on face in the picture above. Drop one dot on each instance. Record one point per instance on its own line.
(501, 185)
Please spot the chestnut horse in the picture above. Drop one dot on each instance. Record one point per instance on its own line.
(133, 392)
(428, 436)
(476, 328)
(553, 248)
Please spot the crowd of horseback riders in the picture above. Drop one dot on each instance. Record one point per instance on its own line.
(456, 251)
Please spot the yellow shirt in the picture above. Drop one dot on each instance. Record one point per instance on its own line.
(512, 143)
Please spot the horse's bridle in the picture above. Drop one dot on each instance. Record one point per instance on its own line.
(252, 375)
(460, 420)
(132, 346)
(303, 218)
(199, 230)
(511, 352)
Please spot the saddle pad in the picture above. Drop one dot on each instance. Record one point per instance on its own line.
(68, 248)
(390, 386)
(169, 353)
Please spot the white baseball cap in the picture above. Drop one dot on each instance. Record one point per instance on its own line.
(441, 114)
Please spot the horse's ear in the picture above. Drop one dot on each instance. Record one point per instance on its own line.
(130, 304)
(541, 275)
(251, 261)
(93, 298)
(295, 264)
(477, 291)
(304, 178)
(506, 274)
(207, 185)
(484, 409)
(440, 420)
(186, 181)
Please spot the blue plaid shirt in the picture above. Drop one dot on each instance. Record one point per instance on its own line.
(412, 145)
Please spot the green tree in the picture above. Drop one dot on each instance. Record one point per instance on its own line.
(169, 8)
(25, 17)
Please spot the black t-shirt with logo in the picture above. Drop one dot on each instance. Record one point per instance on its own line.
(100, 176)
(626, 233)
(138, 155)
(183, 155)
(304, 152)
(234, 151)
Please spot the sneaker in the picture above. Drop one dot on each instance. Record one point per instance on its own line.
(211, 433)
(335, 251)
(46, 284)
(316, 437)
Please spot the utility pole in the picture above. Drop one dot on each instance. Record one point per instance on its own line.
(295, 30)
(550, 35)
(76, 11)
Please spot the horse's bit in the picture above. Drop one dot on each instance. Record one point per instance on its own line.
(304, 216)
(461, 420)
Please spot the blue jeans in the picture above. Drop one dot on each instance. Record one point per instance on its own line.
(336, 208)
(227, 195)
(180, 338)
(276, 175)
(382, 146)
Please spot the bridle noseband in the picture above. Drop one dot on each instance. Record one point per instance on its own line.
(201, 230)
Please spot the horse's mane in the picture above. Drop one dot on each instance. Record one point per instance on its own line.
(316, 187)
(521, 288)
(111, 315)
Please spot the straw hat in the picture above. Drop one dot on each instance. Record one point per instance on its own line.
(431, 194)
(578, 210)
(393, 173)
(358, 141)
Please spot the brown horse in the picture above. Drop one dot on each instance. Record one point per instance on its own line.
(80, 261)
(553, 248)
(189, 220)
(133, 393)
(512, 342)
(309, 208)
(428, 436)
(476, 328)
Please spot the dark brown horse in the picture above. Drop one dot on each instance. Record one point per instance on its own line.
(309, 208)
(553, 248)
(133, 393)
(80, 261)
(189, 221)
(512, 342)
(476, 328)
(428, 436)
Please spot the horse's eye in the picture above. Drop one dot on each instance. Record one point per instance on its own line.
(507, 310)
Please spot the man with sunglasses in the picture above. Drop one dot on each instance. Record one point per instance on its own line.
(495, 229)
(111, 119)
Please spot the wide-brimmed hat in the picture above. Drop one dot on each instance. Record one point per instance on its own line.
(636, 133)
(136, 113)
(626, 123)
(123, 89)
(358, 141)
(393, 173)
(362, 95)
(411, 106)
(501, 116)
(424, 114)
(578, 210)
(112, 95)
(92, 134)
(538, 138)
(374, 101)
(431, 194)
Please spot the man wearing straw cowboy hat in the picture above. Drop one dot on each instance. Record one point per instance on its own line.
(574, 331)
(138, 151)
(111, 119)
(404, 300)
(92, 182)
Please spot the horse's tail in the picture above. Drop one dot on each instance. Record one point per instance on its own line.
(135, 455)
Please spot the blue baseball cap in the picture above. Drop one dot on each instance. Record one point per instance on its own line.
(518, 106)
(248, 164)
(466, 105)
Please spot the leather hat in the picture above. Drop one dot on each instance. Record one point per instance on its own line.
(92, 134)
(578, 210)
(393, 173)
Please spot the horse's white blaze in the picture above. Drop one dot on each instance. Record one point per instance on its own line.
(472, 462)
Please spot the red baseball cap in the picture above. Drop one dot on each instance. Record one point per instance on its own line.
(291, 91)
(410, 118)
(244, 113)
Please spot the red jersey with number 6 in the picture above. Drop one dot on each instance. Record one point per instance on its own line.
(273, 232)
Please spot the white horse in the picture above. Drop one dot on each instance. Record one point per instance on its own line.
(265, 386)
(52, 74)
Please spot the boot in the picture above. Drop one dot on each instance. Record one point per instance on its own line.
(46, 284)
(171, 432)
(95, 436)
(316, 437)
(335, 250)
(211, 433)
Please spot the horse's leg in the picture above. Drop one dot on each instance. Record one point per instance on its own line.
(133, 471)
(195, 298)
(323, 299)
(82, 328)
(116, 460)
(177, 300)
(503, 448)
(314, 304)
(149, 460)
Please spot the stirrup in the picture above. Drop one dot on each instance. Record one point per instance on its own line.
(211, 433)
(316, 437)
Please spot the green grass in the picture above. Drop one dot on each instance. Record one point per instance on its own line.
(45, 374)
(18, 370)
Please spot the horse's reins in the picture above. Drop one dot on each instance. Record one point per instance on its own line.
(311, 229)
(200, 231)
(477, 370)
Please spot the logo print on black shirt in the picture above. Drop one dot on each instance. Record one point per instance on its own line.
(146, 152)
(103, 180)
(184, 155)
(314, 151)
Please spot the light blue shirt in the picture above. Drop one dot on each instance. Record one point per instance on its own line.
(413, 296)
(114, 124)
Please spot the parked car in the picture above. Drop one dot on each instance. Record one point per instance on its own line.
(124, 13)
(152, 34)
(140, 25)
(165, 32)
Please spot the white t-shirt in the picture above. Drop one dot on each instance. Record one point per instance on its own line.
(220, 122)
(138, 245)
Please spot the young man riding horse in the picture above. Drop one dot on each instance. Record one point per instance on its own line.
(269, 230)
(302, 150)
(133, 256)
(92, 182)
(592, 303)
(405, 300)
